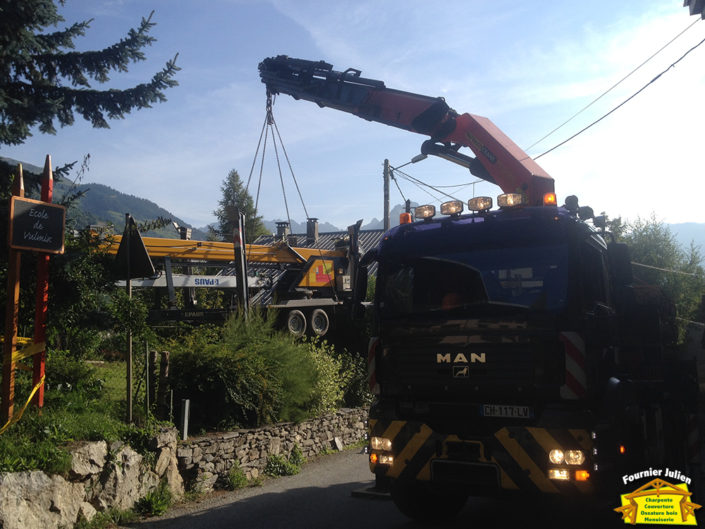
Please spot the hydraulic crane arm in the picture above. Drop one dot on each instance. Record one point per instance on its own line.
(498, 159)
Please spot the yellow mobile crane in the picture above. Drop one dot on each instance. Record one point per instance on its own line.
(311, 285)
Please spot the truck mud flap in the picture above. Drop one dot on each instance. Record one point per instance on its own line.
(514, 458)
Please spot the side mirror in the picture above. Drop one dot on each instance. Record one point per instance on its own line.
(620, 262)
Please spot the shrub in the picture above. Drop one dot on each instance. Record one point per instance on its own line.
(296, 457)
(236, 478)
(278, 465)
(254, 375)
(331, 379)
(155, 502)
(68, 374)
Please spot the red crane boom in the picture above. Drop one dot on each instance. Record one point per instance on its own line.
(498, 159)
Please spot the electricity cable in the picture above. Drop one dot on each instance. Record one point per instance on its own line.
(665, 269)
(422, 188)
(391, 173)
(615, 85)
(416, 180)
(622, 103)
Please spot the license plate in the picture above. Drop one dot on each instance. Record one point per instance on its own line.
(504, 410)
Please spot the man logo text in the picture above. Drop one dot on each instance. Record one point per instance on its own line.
(460, 358)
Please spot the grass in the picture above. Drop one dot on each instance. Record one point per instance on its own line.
(82, 403)
(156, 502)
(111, 518)
(236, 478)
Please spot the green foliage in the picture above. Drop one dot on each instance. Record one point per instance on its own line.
(130, 314)
(155, 502)
(66, 374)
(278, 465)
(79, 405)
(676, 270)
(236, 478)
(331, 379)
(297, 457)
(110, 518)
(40, 83)
(236, 197)
(254, 375)
(371, 288)
(251, 373)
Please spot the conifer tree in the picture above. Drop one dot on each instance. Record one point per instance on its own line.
(44, 82)
(235, 197)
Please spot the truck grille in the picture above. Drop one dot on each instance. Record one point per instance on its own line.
(467, 474)
(488, 364)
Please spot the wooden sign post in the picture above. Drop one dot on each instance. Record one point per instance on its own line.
(36, 225)
(12, 309)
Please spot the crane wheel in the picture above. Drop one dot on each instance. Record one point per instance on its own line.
(296, 322)
(320, 322)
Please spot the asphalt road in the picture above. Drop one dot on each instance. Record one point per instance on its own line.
(321, 497)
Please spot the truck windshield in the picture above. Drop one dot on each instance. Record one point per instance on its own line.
(531, 277)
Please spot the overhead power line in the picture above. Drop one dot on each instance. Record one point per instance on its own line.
(615, 85)
(421, 183)
(665, 269)
(622, 103)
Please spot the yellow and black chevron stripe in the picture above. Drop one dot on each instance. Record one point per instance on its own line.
(518, 453)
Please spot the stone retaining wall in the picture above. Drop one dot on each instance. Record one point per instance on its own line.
(104, 476)
(101, 476)
(203, 461)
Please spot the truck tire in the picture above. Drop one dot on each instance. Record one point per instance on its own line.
(425, 503)
(296, 322)
(319, 322)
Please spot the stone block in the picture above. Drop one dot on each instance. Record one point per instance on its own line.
(88, 459)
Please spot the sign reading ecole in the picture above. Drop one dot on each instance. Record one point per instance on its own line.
(37, 225)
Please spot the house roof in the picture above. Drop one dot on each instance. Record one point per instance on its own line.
(368, 239)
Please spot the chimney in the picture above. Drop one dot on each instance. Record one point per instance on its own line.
(311, 230)
(282, 230)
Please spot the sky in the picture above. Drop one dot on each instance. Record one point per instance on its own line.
(528, 66)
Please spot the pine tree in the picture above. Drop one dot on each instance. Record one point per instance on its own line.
(235, 197)
(44, 82)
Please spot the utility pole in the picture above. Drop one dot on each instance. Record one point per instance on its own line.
(386, 175)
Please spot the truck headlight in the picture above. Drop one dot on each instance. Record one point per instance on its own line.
(555, 456)
(381, 443)
(574, 457)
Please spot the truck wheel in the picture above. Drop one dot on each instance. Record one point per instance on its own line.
(424, 503)
(296, 322)
(319, 322)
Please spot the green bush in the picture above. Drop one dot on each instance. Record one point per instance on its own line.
(331, 379)
(296, 457)
(66, 374)
(155, 502)
(254, 375)
(278, 465)
(236, 478)
(251, 374)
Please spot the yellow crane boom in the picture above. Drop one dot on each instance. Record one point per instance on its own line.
(223, 251)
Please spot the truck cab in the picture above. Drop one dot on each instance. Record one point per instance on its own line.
(496, 341)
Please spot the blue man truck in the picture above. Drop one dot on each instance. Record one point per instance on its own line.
(513, 350)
